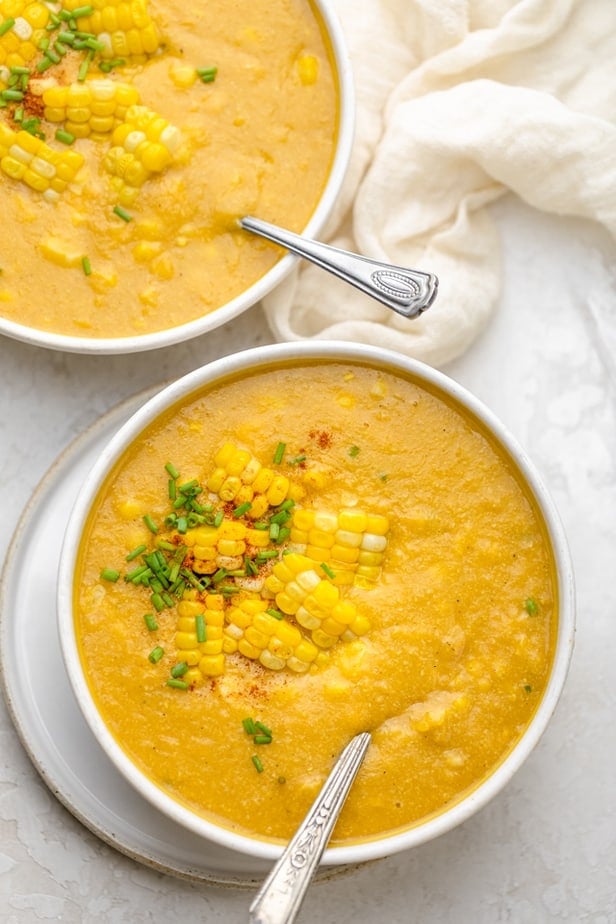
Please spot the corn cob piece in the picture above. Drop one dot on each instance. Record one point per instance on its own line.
(199, 638)
(238, 476)
(29, 159)
(258, 635)
(22, 26)
(93, 108)
(352, 542)
(314, 602)
(125, 29)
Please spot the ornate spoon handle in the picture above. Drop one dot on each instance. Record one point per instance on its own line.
(280, 897)
(406, 291)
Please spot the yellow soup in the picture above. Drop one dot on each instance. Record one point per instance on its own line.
(299, 554)
(132, 138)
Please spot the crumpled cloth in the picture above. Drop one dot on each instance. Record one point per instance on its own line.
(459, 102)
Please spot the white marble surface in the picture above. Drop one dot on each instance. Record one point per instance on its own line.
(545, 849)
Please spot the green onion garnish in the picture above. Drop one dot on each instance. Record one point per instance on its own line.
(249, 726)
(6, 26)
(12, 95)
(172, 470)
(156, 654)
(265, 554)
(256, 761)
(122, 213)
(86, 265)
(207, 74)
(80, 11)
(200, 628)
(64, 137)
(278, 455)
(531, 606)
(264, 729)
(136, 552)
(262, 739)
(149, 522)
(297, 460)
(273, 531)
(177, 684)
(157, 602)
(528, 688)
(110, 574)
(328, 571)
(242, 509)
(275, 613)
(178, 670)
(354, 451)
(150, 621)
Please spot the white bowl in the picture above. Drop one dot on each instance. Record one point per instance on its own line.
(248, 298)
(301, 352)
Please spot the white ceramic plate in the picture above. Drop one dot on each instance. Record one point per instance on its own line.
(42, 705)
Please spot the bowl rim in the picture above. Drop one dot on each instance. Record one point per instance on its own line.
(253, 359)
(249, 297)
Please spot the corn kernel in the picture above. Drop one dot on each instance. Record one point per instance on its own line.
(212, 665)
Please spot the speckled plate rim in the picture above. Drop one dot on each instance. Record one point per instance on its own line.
(252, 360)
(220, 316)
(149, 838)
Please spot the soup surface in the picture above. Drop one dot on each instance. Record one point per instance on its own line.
(132, 138)
(301, 554)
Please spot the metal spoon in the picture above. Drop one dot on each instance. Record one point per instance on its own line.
(281, 895)
(406, 291)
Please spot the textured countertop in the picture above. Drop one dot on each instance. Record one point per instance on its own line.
(545, 848)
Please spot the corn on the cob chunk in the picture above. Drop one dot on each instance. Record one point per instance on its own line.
(275, 643)
(125, 29)
(22, 26)
(314, 601)
(239, 477)
(351, 542)
(143, 142)
(29, 159)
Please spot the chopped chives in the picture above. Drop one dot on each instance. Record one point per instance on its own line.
(262, 739)
(17, 69)
(6, 26)
(157, 602)
(80, 11)
(64, 137)
(182, 525)
(178, 670)
(150, 621)
(44, 63)
(164, 544)
(177, 684)
(328, 571)
(528, 688)
(297, 460)
(200, 628)
(136, 552)
(249, 726)
(218, 518)
(18, 114)
(167, 598)
(264, 729)
(156, 654)
(242, 509)
(219, 576)
(172, 470)
(84, 67)
(256, 761)
(275, 613)
(110, 574)
(12, 95)
(284, 533)
(273, 531)
(122, 213)
(249, 566)
(265, 554)
(531, 606)
(354, 451)
(278, 455)
(207, 74)
(137, 573)
(53, 56)
(86, 265)
(149, 522)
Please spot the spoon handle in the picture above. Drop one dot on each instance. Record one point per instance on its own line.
(406, 291)
(280, 897)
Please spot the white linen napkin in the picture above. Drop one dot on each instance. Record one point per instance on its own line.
(459, 102)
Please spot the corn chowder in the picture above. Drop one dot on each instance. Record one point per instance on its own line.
(132, 138)
(300, 554)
